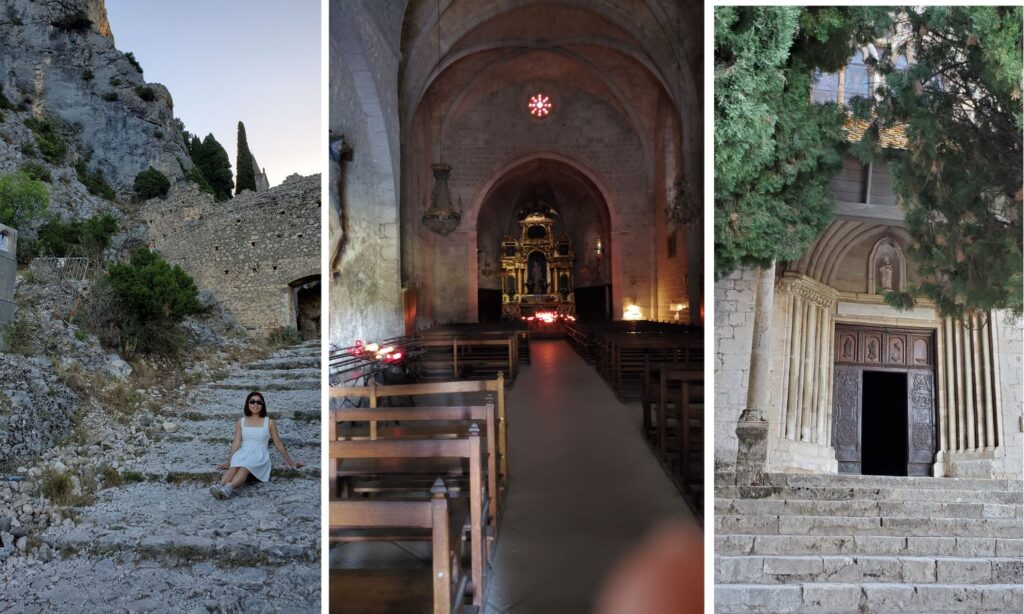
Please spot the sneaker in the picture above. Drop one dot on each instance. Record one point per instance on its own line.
(227, 490)
(217, 490)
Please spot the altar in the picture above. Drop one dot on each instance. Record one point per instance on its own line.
(537, 268)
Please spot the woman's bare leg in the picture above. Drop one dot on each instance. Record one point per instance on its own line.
(228, 475)
(241, 474)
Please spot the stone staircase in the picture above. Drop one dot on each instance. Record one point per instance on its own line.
(845, 543)
(161, 542)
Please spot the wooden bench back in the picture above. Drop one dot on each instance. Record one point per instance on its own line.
(374, 392)
(468, 447)
(432, 514)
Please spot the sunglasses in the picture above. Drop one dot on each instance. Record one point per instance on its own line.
(255, 402)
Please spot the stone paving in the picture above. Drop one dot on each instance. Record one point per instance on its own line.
(161, 543)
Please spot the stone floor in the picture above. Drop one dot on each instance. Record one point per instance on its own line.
(584, 488)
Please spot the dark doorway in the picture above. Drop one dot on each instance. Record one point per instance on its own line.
(307, 307)
(884, 426)
(593, 303)
(488, 305)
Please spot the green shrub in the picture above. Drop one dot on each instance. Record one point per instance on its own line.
(75, 21)
(151, 183)
(146, 93)
(159, 134)
(131, 60)
(110, 476)
(283, 336)
(95, 181)
(19, 337)
(56, 486)
(149, 298)
(132, 476)
(87, 75)
(22, 199)
(5, 103)
(37, 171)
(109, 96)
(48, 139)
(77, 238)
(115, 81)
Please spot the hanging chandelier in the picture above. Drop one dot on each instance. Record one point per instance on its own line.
(442, 217)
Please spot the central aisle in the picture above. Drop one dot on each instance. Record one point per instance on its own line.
(584, 487)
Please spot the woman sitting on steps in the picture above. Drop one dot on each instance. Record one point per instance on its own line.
(249, 455)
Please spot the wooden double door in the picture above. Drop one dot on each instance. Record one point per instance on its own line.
(883, 413)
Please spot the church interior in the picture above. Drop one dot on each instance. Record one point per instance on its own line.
(516, 302)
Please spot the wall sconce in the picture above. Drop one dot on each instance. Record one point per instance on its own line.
(632, 312)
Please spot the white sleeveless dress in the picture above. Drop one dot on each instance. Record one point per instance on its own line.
(253, 453)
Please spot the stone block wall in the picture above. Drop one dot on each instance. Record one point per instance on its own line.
(734, 323)
(246, 251)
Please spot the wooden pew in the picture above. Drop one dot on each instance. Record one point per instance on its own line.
(681, 445)
(374, 393)
(365, 520)
(481, 354)
(405, 456)
(445, 421)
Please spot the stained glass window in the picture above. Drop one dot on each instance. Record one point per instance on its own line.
(540, 105)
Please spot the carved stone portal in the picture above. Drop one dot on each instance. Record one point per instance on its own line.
(864, 348)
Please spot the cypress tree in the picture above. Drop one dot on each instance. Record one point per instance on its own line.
(244, 164)
(212, 160)
(960, 177)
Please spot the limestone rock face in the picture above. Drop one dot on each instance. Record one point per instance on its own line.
(80, 78)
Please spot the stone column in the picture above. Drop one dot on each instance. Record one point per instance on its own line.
(752, 427)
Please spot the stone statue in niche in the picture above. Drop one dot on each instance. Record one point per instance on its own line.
(887, 267)
(872, 349)
(886, 274)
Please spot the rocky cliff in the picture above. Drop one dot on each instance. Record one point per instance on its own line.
(58, 61)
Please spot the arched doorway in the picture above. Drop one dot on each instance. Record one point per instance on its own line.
(305, 301)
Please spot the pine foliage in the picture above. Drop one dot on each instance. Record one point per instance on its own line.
(775, 151)
(960, 178)
(212, 161)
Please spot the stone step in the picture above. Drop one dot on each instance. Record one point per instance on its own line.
(857, 569)
(807, 480)
(264, 384)
(258, 375)
(869, 494)
(229, 401)
(884, 509)
(773, 524)
(285, 363)
(200, 458)
(222, 430)
(868, 545)
(278, 521)
(128, 582)
(868, 597)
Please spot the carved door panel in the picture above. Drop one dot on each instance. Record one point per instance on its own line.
(921, 421)
(846, 418)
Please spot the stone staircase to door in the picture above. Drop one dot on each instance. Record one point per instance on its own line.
(846, 543)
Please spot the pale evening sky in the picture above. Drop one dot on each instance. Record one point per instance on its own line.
(225, 61)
